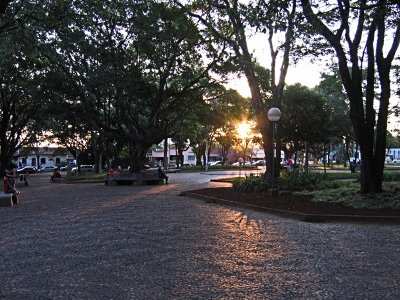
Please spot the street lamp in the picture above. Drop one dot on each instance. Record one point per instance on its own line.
(274, 114)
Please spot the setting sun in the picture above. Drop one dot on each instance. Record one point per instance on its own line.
(243, 130)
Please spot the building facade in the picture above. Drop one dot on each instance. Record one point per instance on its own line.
(392, 154)
(156, 156)
(44, 156)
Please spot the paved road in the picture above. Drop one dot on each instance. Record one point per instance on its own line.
(90, 241)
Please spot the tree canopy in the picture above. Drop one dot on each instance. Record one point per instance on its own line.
(130, 71)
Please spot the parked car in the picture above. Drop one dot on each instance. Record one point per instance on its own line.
(259, 163)
(47, 169)
(64, 169)
(84, 168)
(215, 163)
(188, 165)
(27, 170)
(244, 164)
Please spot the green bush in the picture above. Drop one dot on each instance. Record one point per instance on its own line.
(291, 181)
(391, 176)
(250, 184)
(300, 181)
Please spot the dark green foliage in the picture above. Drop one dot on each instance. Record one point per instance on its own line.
(300, 181)
(392, 176)
(251, 184)
(122, 75)
(292, 181)
(305, 117)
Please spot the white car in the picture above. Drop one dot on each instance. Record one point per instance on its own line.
(47, 169)
(259, 163)
(244, 164)
(84, 168)
(215, 163)
(188, 165)
(27, 170)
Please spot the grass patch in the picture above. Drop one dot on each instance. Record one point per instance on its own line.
(325, 188)
(347, 193)
(343, 175)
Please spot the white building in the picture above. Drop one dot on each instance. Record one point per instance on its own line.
(392, 154)
(157, 156)
(44, 156)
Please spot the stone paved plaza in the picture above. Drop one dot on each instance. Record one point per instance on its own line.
(91, 241)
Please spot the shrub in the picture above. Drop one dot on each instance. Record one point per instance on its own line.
(299, 181)
(250, 184)
(292, 181)
(392, 176)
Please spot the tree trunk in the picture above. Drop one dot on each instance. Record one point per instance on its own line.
(166, 158)
(137, 153)
(324, 158)
(198, 159)
(98, 160)
(306, 158)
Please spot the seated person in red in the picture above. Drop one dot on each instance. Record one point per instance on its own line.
(56, 174)
(8, 188)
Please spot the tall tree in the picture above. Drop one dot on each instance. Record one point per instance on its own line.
(341, 131)
(305, 119)
(332, 89)
(229, 23)
(359, 34)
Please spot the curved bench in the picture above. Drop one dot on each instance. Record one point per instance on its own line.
(142, 178)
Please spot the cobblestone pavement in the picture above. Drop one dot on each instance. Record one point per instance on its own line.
(91, 241)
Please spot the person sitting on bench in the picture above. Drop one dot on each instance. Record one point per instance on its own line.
(9, 189)
(56, 174)
(161, 174)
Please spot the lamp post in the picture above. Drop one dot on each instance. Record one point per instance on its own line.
(274, 114)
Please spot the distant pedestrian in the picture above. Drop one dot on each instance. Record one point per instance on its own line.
(23, 177)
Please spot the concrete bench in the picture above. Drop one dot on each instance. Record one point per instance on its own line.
(142, 178)
(6, 200)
